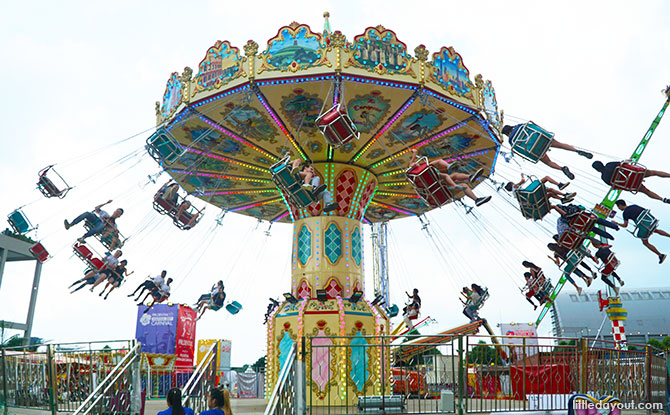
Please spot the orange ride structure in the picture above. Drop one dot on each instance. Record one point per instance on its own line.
(224, 129)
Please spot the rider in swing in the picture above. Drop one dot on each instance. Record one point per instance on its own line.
(634, 213)
(450, 179)
(312, 183)
(509, 131)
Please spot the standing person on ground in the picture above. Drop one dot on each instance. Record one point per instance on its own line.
(218, 402)
(634, 213)
(174, 404)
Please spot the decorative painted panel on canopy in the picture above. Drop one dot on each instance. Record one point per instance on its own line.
(294, 47)
(221, 65)
(449, 71)
(379, 50)
(245, 113)
(172, 96)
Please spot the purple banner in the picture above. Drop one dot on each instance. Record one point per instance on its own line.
(157, 329)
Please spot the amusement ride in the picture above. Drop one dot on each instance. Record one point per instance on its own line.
(330, 134)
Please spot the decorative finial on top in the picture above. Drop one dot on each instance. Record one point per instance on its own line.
(251, 48)
(666, 91)
(326, 25)
(187, 74)
(338, 39)
(479, 81)
(421, 53)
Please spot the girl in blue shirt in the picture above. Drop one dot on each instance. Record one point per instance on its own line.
(174, 404)
(218, 402)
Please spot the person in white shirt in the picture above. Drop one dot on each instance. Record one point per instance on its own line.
(159, 295)
(149, 285)
(110, 261)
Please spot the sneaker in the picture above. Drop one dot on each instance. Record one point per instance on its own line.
(81, 240)
(571, 195)
(476, 175)
(567, 200)
(666, 200)
(568, 173)
(319, 189)
(101, 294)
(622, 283)
(130, 295)
(594, 276)
(579, 290)
(308, 187)
(534, 307)
(588, 281)
(106, 296)
(67, 224)
(562, 186)
(661, 258)
(91, 290)
(330, 207)
(585, 154)
(481, 200)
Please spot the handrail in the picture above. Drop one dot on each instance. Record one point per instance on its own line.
(133, 353)
(283, 376)
(197, 374)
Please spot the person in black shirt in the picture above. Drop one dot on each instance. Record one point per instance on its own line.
(412, 309)
(633, 212)
(604, 255)
(607, 171)
(561, 254)
(509, 131)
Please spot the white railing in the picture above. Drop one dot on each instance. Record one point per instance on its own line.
(283, 398)
(122, 368)
(202, 378)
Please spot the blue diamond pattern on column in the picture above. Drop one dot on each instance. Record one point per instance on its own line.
(356, 246)
(359, 361)
(333, 243)
(304, 244)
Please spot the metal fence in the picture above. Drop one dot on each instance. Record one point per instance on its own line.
(56, 377)
(457, 374)
(201, 381)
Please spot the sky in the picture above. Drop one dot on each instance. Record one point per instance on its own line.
(81, 79)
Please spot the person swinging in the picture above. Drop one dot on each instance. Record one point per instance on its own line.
(451, 179)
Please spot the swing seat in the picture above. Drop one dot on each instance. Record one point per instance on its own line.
(572, 261)
(336, 126)
(610, 265)
(82, 251)
(96, 263)
(392, 311)
(533, 200)
(162, 206)
(571, 239)
(645, 226)
(583, 222)
(182, 221)
(628, 177)
(531, 141)
(47, 186)
(213, 306)
(19, 222)
(426, 182)
(234, 307)
(164, 147)
(40, 252)
(290, 183)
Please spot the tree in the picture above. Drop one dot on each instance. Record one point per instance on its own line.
(259, 365)
(18, 341)
(484, 354)
(656, 344)
(565, 343)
